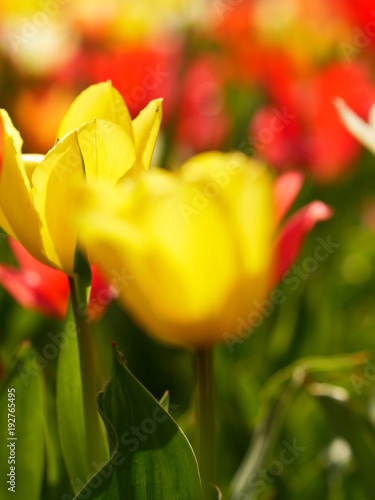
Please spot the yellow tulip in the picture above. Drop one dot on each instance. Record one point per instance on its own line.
(97, 140)
(196, 245)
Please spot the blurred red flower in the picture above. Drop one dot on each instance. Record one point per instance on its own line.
(140, 71)
(315, 139)
(44, 289)
(203, 121)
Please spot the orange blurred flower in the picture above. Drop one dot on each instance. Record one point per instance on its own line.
(47, 106)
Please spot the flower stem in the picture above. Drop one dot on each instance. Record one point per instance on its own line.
(206, 429)
(95, 444)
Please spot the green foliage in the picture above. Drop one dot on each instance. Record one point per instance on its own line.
(151, 456)
(22, 415)
(81, 450)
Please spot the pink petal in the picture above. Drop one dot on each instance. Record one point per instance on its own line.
(293, 233)
(286, 188)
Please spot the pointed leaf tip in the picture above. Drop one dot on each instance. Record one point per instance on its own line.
(164, 453)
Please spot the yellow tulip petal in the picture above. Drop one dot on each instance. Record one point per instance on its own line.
(194, 248)
(189, 256)
(176, 267)
(100, 101)
(107, 150)
(245, 187)
(18, 216)
(146, 128)
(30, 161)
(53, 181)
(11, 132)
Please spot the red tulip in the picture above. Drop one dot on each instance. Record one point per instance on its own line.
(313, 137)
(46, 290)
(361, 19)
(140, 72)
(203, 122)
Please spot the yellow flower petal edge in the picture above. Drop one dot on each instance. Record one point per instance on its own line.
(100, 101)
(30, 161)
(196, 245)
(18, 216)
(97, 150)
(98, 140)
(146, 128)
(53, 181)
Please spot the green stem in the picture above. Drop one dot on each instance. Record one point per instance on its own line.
(206, 427)
(93, 428)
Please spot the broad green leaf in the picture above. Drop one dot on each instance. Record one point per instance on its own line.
(76, 441)
(55, 472)
(151, 457)
(29, 389)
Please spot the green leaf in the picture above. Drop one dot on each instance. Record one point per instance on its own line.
(76, 442)
(29, 389)
(277, 396)
(151, 456)
(56, 478)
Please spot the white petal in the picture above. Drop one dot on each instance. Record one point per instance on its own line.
(361, 130)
